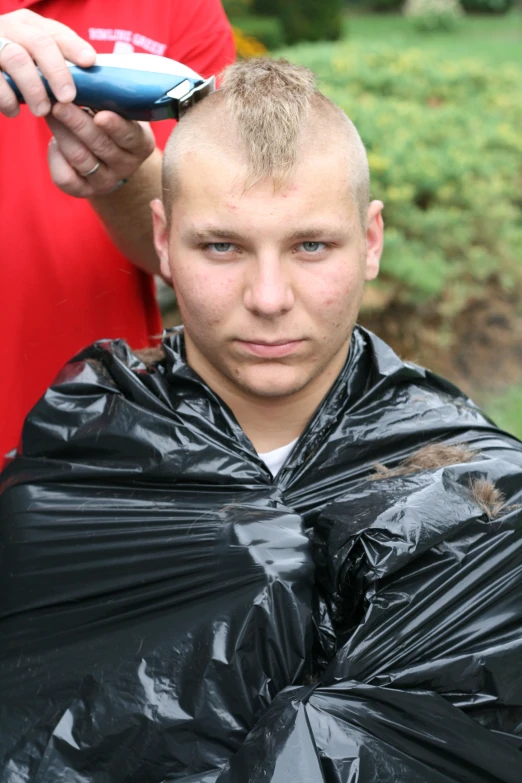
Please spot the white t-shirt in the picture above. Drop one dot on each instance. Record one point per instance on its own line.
(275, 459)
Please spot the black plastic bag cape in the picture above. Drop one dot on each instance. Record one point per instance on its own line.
(171, 612)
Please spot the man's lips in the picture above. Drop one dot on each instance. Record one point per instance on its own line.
(270, 350)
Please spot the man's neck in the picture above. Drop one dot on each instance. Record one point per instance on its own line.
(271, 422)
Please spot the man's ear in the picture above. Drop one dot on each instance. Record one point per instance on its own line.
(161, 238)
(374, 239)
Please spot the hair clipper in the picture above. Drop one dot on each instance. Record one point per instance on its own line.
(136, 86)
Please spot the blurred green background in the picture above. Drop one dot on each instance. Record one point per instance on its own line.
(435, 89)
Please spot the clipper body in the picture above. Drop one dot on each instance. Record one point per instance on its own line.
(136, 86)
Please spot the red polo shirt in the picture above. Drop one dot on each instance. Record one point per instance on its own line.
(62, 283)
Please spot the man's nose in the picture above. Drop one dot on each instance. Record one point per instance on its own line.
(269, 291)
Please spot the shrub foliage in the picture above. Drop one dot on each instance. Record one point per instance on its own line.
(287, 21)
(266, 7)
(266, 29)
(235, 8)
(445, 152)
(309, 20)
(487, 6)
(385, 6)
(433, 16)
(247, 45)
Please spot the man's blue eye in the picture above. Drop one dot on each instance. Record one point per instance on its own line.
(312, 247)
(221, 247)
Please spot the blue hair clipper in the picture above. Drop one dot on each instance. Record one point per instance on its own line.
(136, 86)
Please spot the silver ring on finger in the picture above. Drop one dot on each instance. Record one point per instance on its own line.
(4, 42)
(93, 170)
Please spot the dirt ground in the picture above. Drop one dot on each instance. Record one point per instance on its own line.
(480, 351)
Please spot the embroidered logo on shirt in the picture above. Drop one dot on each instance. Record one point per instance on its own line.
(126, 40)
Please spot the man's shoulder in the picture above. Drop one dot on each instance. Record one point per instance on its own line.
(387, 371)
(386, 409)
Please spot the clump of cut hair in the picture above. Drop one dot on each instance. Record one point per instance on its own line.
(435, 455)
(150, 356)
(487, 496)
(271, 112)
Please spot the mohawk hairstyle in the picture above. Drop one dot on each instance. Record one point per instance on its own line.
(270, 102)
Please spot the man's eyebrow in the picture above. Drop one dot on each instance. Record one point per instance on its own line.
(208, 232)
(318, 232)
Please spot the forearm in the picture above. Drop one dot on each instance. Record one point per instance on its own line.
(127, 217)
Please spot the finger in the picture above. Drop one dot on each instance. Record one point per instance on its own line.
(16, 61)
(8, 103)
(46, 43)
(72, 46)
(101, 145)
(79, 156)
(64, 175)
(15, 25)
(41, 48)
(135, 137)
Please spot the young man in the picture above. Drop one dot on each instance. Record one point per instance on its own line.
(207, 576)
(268, 237)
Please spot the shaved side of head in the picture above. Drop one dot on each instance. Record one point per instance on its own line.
(268, 114)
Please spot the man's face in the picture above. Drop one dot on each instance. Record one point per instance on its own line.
(269, 284)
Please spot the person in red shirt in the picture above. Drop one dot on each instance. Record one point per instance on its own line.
(75, 270)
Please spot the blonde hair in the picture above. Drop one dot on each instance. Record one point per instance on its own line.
(269, 102)
(271, 112)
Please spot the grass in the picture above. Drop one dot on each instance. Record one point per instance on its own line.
(497, 40)
(506, 410)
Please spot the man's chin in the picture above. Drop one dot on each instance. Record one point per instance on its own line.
(272, 383)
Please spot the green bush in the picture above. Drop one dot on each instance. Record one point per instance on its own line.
(266, 7)
(237, 7)
(487, 6)
(385, 6)
(310, 20)
(445, 152)
(506, 411)
(266, 29)
(434, 16)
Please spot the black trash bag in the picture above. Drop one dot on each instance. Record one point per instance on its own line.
(171, 612)
(428, 683)
(178, 613)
